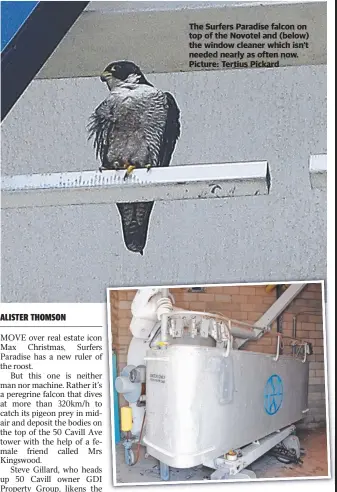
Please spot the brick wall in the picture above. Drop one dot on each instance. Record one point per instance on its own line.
(120, 305)
(244, 303)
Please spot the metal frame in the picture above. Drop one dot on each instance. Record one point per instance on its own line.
(249, 454)
(221, 328)
(318, 165)
(171, 183)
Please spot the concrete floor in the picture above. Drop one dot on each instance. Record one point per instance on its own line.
(315, 464)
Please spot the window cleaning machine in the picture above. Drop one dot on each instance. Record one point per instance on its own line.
(207, 402)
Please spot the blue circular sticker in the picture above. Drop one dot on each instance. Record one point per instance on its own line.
(273, 394)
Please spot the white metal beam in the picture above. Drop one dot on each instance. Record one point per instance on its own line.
(279, 305)
(318, 171)
(171, 183)
(275, 310)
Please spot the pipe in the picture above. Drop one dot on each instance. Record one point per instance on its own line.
(139, 440)
(279, 319)
(294, 332)
(164, 307)
(278, 348)
(241, 332)
(165, 292)
(315, 312)
(163, 329)
(294, 326)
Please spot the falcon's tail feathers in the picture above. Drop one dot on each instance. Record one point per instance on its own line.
(135, 222)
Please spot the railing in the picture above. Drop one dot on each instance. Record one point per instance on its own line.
(300, 349)
(183, 323)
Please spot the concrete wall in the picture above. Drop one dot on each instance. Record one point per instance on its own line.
(245, 303)
(72, 254)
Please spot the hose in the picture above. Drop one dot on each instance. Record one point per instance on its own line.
(139, 441)
(164, 306)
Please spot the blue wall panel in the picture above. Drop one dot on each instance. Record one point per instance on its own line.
(115, 395)
(13, 15)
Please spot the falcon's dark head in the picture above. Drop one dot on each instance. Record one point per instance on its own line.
(123, 71)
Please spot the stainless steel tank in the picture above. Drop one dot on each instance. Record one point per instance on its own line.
(201, 403)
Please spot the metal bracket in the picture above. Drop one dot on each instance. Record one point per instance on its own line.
(318, 171)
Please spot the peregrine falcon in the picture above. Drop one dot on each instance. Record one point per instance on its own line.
(136, 126)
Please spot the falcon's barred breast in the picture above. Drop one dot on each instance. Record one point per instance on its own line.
(133, 117)
(137, 125)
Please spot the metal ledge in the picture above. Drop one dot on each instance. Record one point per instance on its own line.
(318, 171)
(172, 183)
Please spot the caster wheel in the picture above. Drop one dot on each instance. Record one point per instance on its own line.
(292, 444)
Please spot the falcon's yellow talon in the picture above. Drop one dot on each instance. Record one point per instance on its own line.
(129, 169)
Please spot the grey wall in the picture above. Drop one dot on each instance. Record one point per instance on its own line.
(158, 39)
(69, 254)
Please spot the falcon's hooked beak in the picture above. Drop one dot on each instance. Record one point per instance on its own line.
(106, 76)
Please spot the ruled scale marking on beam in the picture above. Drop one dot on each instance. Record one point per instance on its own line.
(171, 183)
